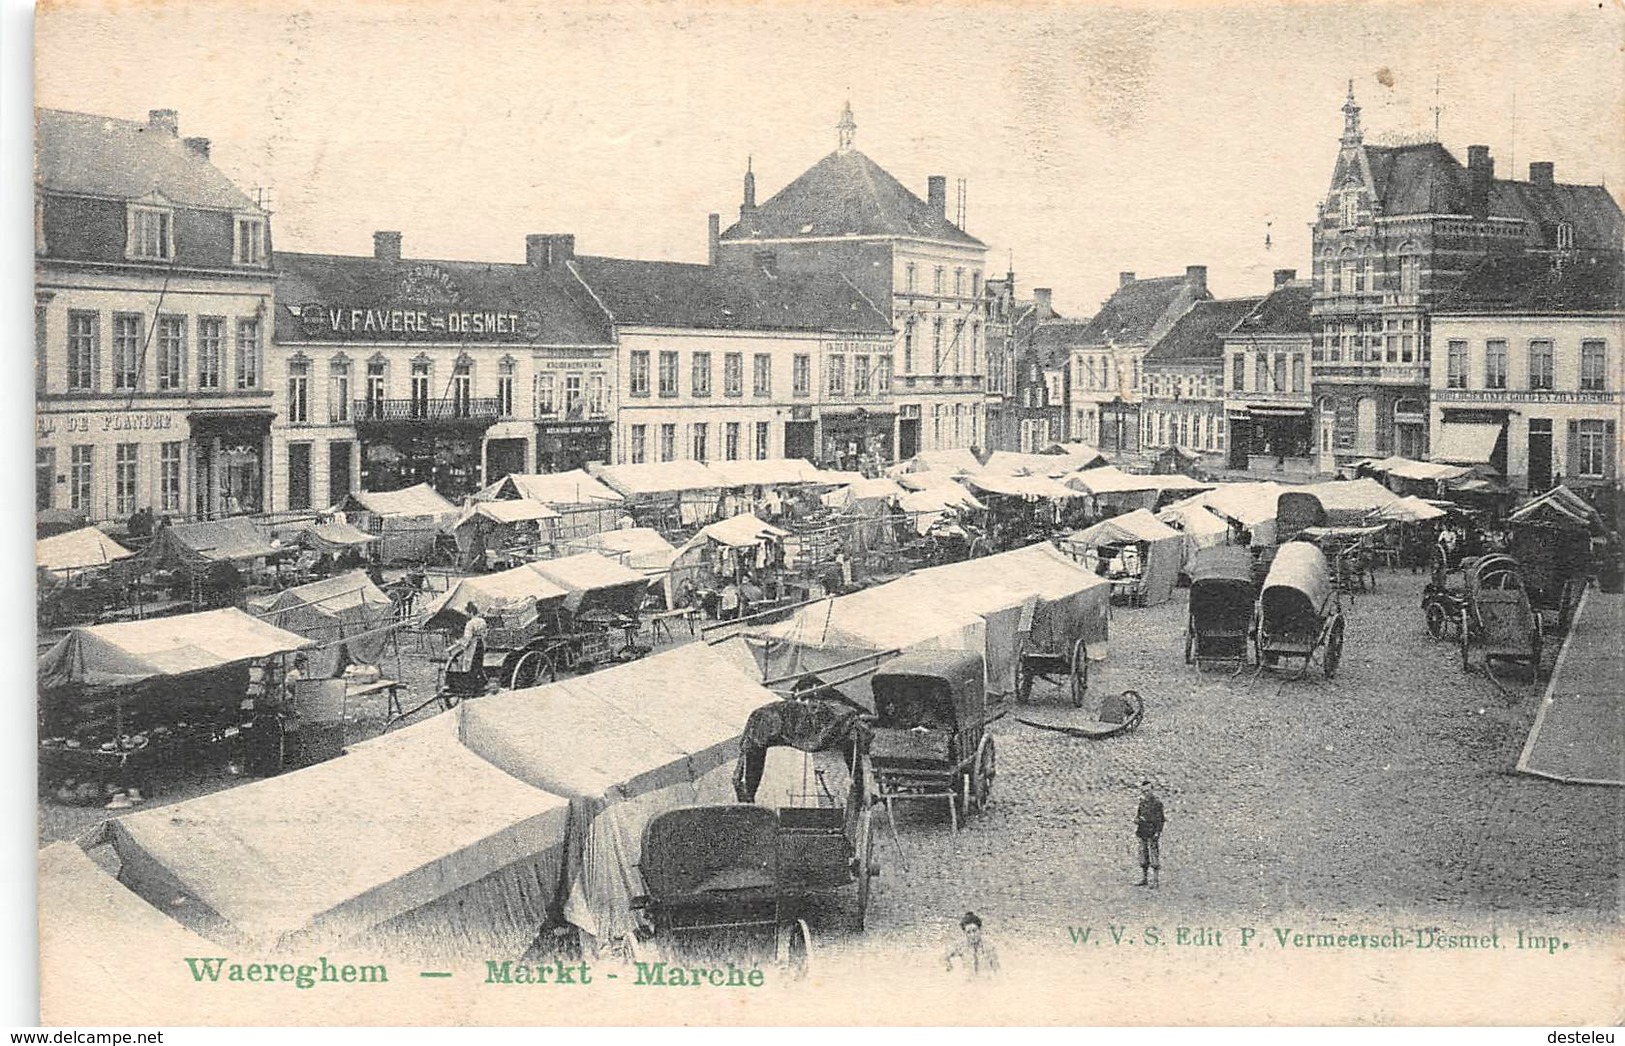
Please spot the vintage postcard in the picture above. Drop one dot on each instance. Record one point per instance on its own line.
(723, 512)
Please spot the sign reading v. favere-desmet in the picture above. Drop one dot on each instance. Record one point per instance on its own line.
(437, 323)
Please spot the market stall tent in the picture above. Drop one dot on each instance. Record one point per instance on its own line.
(131, 652)
(407, 521)
(574, 487)
(1251, 506)
(640, 548)
(1164, 549)
(929, 505)
(739, 537)
(1011, 463)
(197, 545)
(1411, 509)
(1199, 528)
(765, 472)
(593, 582)
(486, 525)
(504, 591)
(348, 616)
(84, 549)
(334, 537)
(950, 461)
(411, 844)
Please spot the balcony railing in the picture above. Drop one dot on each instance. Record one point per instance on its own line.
(483, 408)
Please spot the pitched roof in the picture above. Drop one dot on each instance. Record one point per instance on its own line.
(1591, 281)
(1134, 311)
(673, 294)
(86, 155)
(1199, 334)
(1285, 310)
(565, 311)
(846, 194)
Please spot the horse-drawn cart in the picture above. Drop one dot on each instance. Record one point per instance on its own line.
(1299, 614)
(930, 732)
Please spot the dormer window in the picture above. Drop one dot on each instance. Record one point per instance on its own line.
(248, 241)
(1565, 236)
(1351, 209)
(151, 233)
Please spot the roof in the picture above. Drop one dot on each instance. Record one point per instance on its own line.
(77, 549)
(509, 510)
(846, 194)
(741, 531)
(677, 294)
(951, 461)
(554, 488)
(766, 472)
(557, 309)
(132, 651)
(334, 535)
(1410, 510)
(1021, 486)
(1590, 281)
(1138, 311)
(502, 590)
(217, 540)
(421, 500)
(329, 594)
(1284, 310)
(645, 550)
(586, 572)
(1138, 525)
(87, 155)
(658, 477)
(1011, 463)
(1199, 334)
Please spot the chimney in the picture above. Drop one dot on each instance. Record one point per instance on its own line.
(200, 147)
(1285, 276)
(1541, 174)
(547, 249)
(164, 120)
(714, 240)
(767, 261)
(1480, 172)
(386, 246)
(936, 194)
(1125, 278)
(1196, 278)
(1041, 297)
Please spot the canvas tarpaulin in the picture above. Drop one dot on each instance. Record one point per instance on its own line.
(79, 549)
(196, 545)
(348, 615)
(411, 829)
(334, 537)
(406, 521)
(574, 487)
(1348, 501)
(713, 554)
(639, 548)
(1164, 549)
(878, 489)
(1199, 528)
(505, 590)
(765, 472)
(129, 652)
(1021, 486)
(1250, 505)
(1011, 463)
(929, 505)
(1410, 510)
(594, 582)
(622, 744)
(1464, 443)
(658, 477)
(949, 461)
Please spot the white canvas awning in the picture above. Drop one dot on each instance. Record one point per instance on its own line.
(1468, 443)
(78, 550)
(132, 651)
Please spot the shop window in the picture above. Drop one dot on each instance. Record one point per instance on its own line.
(338, 469)
(299, 475)
(1592, 447)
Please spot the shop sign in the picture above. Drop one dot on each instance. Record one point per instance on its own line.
(566, 428)
(104, 421)
(589, 365)
(1520, 396)
(373, 323)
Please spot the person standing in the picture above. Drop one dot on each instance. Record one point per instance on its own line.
(1148, 821)
(975, 954)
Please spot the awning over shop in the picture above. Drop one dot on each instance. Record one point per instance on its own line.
(78, 550)
(131, 651)
(1277, 410)
(1468, 443)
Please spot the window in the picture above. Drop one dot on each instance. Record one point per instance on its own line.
(1456, 365)
(248, 247)
(911, 280)
(547, 391)
(1593, 366)
(1327, 271)
(700, 375)
(505, 388)
(1336, 276)
(44, 477)
(1540, 364)
(959, 283)
(299, 475)
(150, 234)
(420, 388)
(338, 390)
(83, 348)
(1360, 271)
(1280, 373)
(861, 376)
(1297, 372)
(1495, 364)
(81, 477)
(1261, 373)
(126, 350)
(638, 374)
(377, 387)
(959, 346)
(169, 476)
(211, 335)
(908, 345)
(936, 425)
(1349, 268)
(1592, 448)
(462, 387)
(936, 346)
(701, 432)
(248, 354)
(1351, 209)
(668, 374)
(668, 442)
(976, 283)
(1410, 271)
(573, 402)
(936, 282)
(595, 397)
(1565, 236)
(761, 440)
(733, 374)
(171, 352)
(883, 375)
(126, 477)
(298, 392)
(639, 448)
(837, 375)
(801, 375)
(761, 375)
(730, 441)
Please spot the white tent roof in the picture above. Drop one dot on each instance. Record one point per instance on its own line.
(891, 616)
(1108, 479)
(950, 461)
(131, 651)
(1467, 443)
(935, 499)
(78, 549)
(1348, 496)
(1040, 569)
(929, 480)
(658, 477)
(1138, 525)
(574, 487)
(343, 846)
(1247, 503)
(505, 588)
(1406, 468)
(740, 531)
(863, 490)
(765, 472)
(645, 549)
(1194, 520)
(1010, 463)
(585, 572)
(1025, 486)
(420, 500)
(515, 510)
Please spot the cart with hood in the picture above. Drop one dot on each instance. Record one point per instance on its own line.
(1299, 614)
(930, 732)
(1222, 597)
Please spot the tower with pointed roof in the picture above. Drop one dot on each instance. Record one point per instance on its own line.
(848, 215)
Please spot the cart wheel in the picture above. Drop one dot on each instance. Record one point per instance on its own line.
(866, 863)
(1334, 646)
(532, 667)
(1465, 639)
(982, 781)
(1080, 673)
(795, 949)
(1438, 621)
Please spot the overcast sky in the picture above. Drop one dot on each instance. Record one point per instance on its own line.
(1144, 137)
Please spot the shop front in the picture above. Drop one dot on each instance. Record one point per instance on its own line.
(229, 452)
(565, 445)
(1271, 437)
(446, 454)
(856, 441)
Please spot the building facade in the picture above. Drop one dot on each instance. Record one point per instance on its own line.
(1182, 381)
(152, 307)
(1268, 402)
(1001, 427)
(725, 365)
(846, 214)
(1399, 227)
(1107, 352)
(1043, 379)
(1529, 370)
(391, 371)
